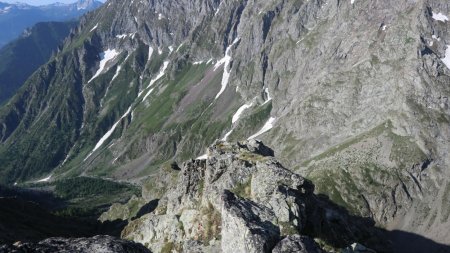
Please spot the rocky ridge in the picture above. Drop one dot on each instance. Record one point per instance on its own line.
(241, 199)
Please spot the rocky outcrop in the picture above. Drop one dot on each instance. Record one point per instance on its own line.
(297, 243)
(105, 244)
(247, 225)
(240, 199)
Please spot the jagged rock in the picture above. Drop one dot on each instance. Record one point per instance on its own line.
(297, 243)
(247, 226)
(240, 195)
(243, 200)
(104, 244)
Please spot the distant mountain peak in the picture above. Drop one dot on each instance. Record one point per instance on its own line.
(86, 4)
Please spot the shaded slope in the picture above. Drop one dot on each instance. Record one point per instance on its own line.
(15, 18)
(19, 59)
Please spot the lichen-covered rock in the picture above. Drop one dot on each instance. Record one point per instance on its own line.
(100, 244)
(154, 231)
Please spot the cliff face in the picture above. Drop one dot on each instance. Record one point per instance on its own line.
(351, 94)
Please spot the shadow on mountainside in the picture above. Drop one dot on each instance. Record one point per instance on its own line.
(337, 227)
(147, 208)
(404, 242)
(28, 216)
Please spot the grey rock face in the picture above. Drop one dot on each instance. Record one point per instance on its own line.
(100, 244)
(246, 226)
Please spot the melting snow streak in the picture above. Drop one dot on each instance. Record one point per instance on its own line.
(93, 28)
(235, 118)
(108, 134)
(105, 57)
(265, 128)
(269, 98)
(203, 157)
(45, 179)
(446, 59)
(226, 71)
(239, 112)
(117, 73)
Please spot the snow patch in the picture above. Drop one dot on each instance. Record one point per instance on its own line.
(116, 74)
(171, 49)
(197, 62)
(161, 73)
(436, 37)
(439, 17)
(226, 61)
(235, 118)
(352, 1)
(239, 112)
(108, 134)
(150, 53)
(105, 57)
(446, 59)
(218, 9)
(202, 157)
(179, 47)
(264, 129)
(44, 179)
(95, 27)
(269, 98)
(122, 36)
(148, 94)
(228, 134)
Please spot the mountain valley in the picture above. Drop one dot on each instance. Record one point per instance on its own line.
(352, 96)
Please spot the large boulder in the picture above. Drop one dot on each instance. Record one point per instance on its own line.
(247, 227)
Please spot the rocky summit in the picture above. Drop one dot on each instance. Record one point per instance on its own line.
(241, 199)
(351, 96)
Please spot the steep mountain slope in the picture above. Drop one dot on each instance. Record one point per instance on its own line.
(20, 58)
(14, 18)
(353, 94)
